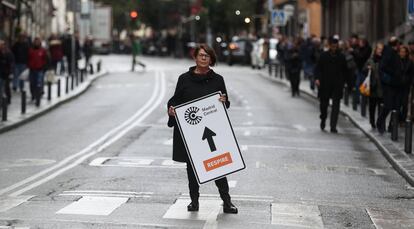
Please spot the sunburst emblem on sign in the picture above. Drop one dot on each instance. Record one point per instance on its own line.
(191, 117)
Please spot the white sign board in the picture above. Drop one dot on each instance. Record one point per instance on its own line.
(209, 138)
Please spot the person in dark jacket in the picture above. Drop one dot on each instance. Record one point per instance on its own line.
(56, 53)
(407, 68)
(199, 81)
(87, 50)
(331, 74)
(21, 55)
(375, 97)
(390, 72)
(6, 66)
(295, 66)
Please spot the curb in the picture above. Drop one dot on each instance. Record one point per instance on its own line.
(23, 119)
(385, 149)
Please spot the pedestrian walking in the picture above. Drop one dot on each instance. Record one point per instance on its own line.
(295, 67)
(331, 74)
(38, 61)
(6, 66)
(56, 54)
(407, 68)
(87, 51)
(375, 97)
(21, 55)
(199, 81)
(136, 50)
(390, 72)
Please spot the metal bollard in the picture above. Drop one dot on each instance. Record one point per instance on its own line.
(23, 102)
(49, 91)
(408, 136)
(72, 82)
(270, 69)
(67, 84)
(58, 88)
(91, 69)
(81, 75)
(394, 123)
(380, 108)
(354, 100)
(38, 96)
(98, 66)
(363, 106)
(346, 96)
(4, 109)
(77, 78)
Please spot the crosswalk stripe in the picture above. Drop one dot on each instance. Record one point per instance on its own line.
(391, 218)
(179, 209)
(296, 215)
(93, 205)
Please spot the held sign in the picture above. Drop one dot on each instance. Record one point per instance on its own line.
(209, 138)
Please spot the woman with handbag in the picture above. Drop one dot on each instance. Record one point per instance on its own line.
(372, 68)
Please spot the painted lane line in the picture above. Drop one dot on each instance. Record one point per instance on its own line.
(246, 133)
(90, 147)
(11, 202)
(93, 205)
(232, 183)
(249, 114)
(147, 109)
(244, 148)
(300, 128)
(168, 142)
(99, 161)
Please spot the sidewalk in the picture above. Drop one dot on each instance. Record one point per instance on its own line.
(393, 151)
(15, 118)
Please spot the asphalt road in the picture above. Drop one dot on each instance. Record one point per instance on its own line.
(103, 160)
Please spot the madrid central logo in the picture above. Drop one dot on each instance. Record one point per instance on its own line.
(191, 116)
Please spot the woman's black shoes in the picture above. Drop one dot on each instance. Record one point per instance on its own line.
(229, 208)
(192, 207)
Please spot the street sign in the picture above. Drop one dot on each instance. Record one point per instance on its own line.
(278, 18)
(410, 7)
(209, 138)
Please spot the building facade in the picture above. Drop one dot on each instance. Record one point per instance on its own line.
(373, 19)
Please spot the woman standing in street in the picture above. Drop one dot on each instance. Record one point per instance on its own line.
(199, 81)
(375, 97)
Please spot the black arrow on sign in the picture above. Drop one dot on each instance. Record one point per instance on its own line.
(208, 134)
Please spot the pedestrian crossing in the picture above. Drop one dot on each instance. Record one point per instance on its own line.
(136, 162)
(261, 210)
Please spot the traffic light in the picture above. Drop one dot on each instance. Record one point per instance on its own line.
(133, 14)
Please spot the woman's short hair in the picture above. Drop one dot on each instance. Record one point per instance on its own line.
(208, 50)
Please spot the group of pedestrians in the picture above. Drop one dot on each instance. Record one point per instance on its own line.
(333, 65)
(37, 56)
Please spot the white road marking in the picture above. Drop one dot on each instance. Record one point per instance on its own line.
(391, 218)
(232, 183)
(245, 101)
(249, 123)
(296, 215)
(299, 148)
(169, 142)
(244, 148)
(99, 161)
(11, 202)
(103, 193)
(136, 162)
(249, 114)
(300, 127)
(179, 209)
(98, 145)
(246, 133)
(93, 205)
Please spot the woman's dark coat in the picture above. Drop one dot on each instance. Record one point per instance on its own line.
(191, 86)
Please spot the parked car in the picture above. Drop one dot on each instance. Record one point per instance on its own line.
(239, 51)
